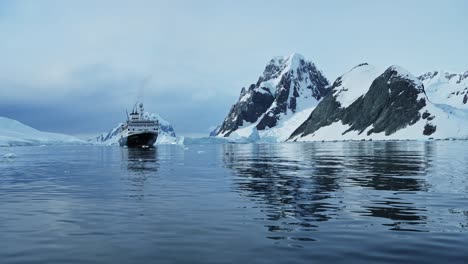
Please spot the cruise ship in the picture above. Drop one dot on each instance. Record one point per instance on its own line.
(138, 131)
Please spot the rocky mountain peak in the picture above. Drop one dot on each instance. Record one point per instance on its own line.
(443, 76)
(291, 59)
(287, 84)
(372, 104)
(354, 83)
(397, 73)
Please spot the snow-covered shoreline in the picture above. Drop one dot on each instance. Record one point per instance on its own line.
(365, 103)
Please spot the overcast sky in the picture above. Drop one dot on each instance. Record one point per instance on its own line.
(74, 66)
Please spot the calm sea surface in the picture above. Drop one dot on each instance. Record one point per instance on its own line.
(355, 202)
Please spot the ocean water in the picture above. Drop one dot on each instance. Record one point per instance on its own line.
(342, 202)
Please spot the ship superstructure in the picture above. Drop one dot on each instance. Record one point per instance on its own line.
(139, 131)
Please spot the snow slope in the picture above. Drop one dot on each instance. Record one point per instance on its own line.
(448, 121)
(14, 133)
(286, 125)
(448, 124)
(354, 84)
(447, 88)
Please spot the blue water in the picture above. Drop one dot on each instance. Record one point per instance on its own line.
(350, 202)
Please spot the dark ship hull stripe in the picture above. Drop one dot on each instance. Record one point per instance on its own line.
(139, 140)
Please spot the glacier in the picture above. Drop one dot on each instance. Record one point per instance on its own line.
(15, 133)
(446, 88)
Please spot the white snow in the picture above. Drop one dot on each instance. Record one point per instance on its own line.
(444, 94)
(267, 87)
(286, 64)
(13, 132)
(450, 123)
(154, 116)
(286, 126)
(450, 118)
(288, 121)
(245, 97)
(355, 84)
(281, 132)
(402, 72)
(166, 139)
(443, 87)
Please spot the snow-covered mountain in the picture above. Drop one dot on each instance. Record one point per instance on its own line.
(364, 104)
(166, 132)
(281, 99)
(14, 133)
(446, 88)
(215, 131)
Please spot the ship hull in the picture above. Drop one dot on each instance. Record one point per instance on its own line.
(139, 140)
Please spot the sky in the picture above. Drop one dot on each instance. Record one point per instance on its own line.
(74, 66)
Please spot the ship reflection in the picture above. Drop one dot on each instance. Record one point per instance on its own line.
(141, 165)
(141, 159)
(298, 186)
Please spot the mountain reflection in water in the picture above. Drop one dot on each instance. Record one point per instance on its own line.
(301, 185)
(337, 202)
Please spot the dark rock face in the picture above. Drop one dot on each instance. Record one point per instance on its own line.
(429, 129)
(428, 76)
(251, 105)
(390, 104)
(327, 112)
(291, 84)
(284, 80)
(428, 116)
(425, 115)
(215, 131)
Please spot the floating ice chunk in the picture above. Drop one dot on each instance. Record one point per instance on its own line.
(254, 136)
(9, 156)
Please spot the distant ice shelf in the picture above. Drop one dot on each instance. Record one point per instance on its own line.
(15, 133)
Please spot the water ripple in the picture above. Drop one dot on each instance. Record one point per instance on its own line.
(361, 202)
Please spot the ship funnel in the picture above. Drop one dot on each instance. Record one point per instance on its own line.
(141, 111)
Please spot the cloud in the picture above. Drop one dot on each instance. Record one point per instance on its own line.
(93, 98)
(74, 66)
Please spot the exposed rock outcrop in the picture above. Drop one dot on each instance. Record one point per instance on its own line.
(288, 84)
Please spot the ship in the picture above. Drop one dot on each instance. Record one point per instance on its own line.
(138, 131)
